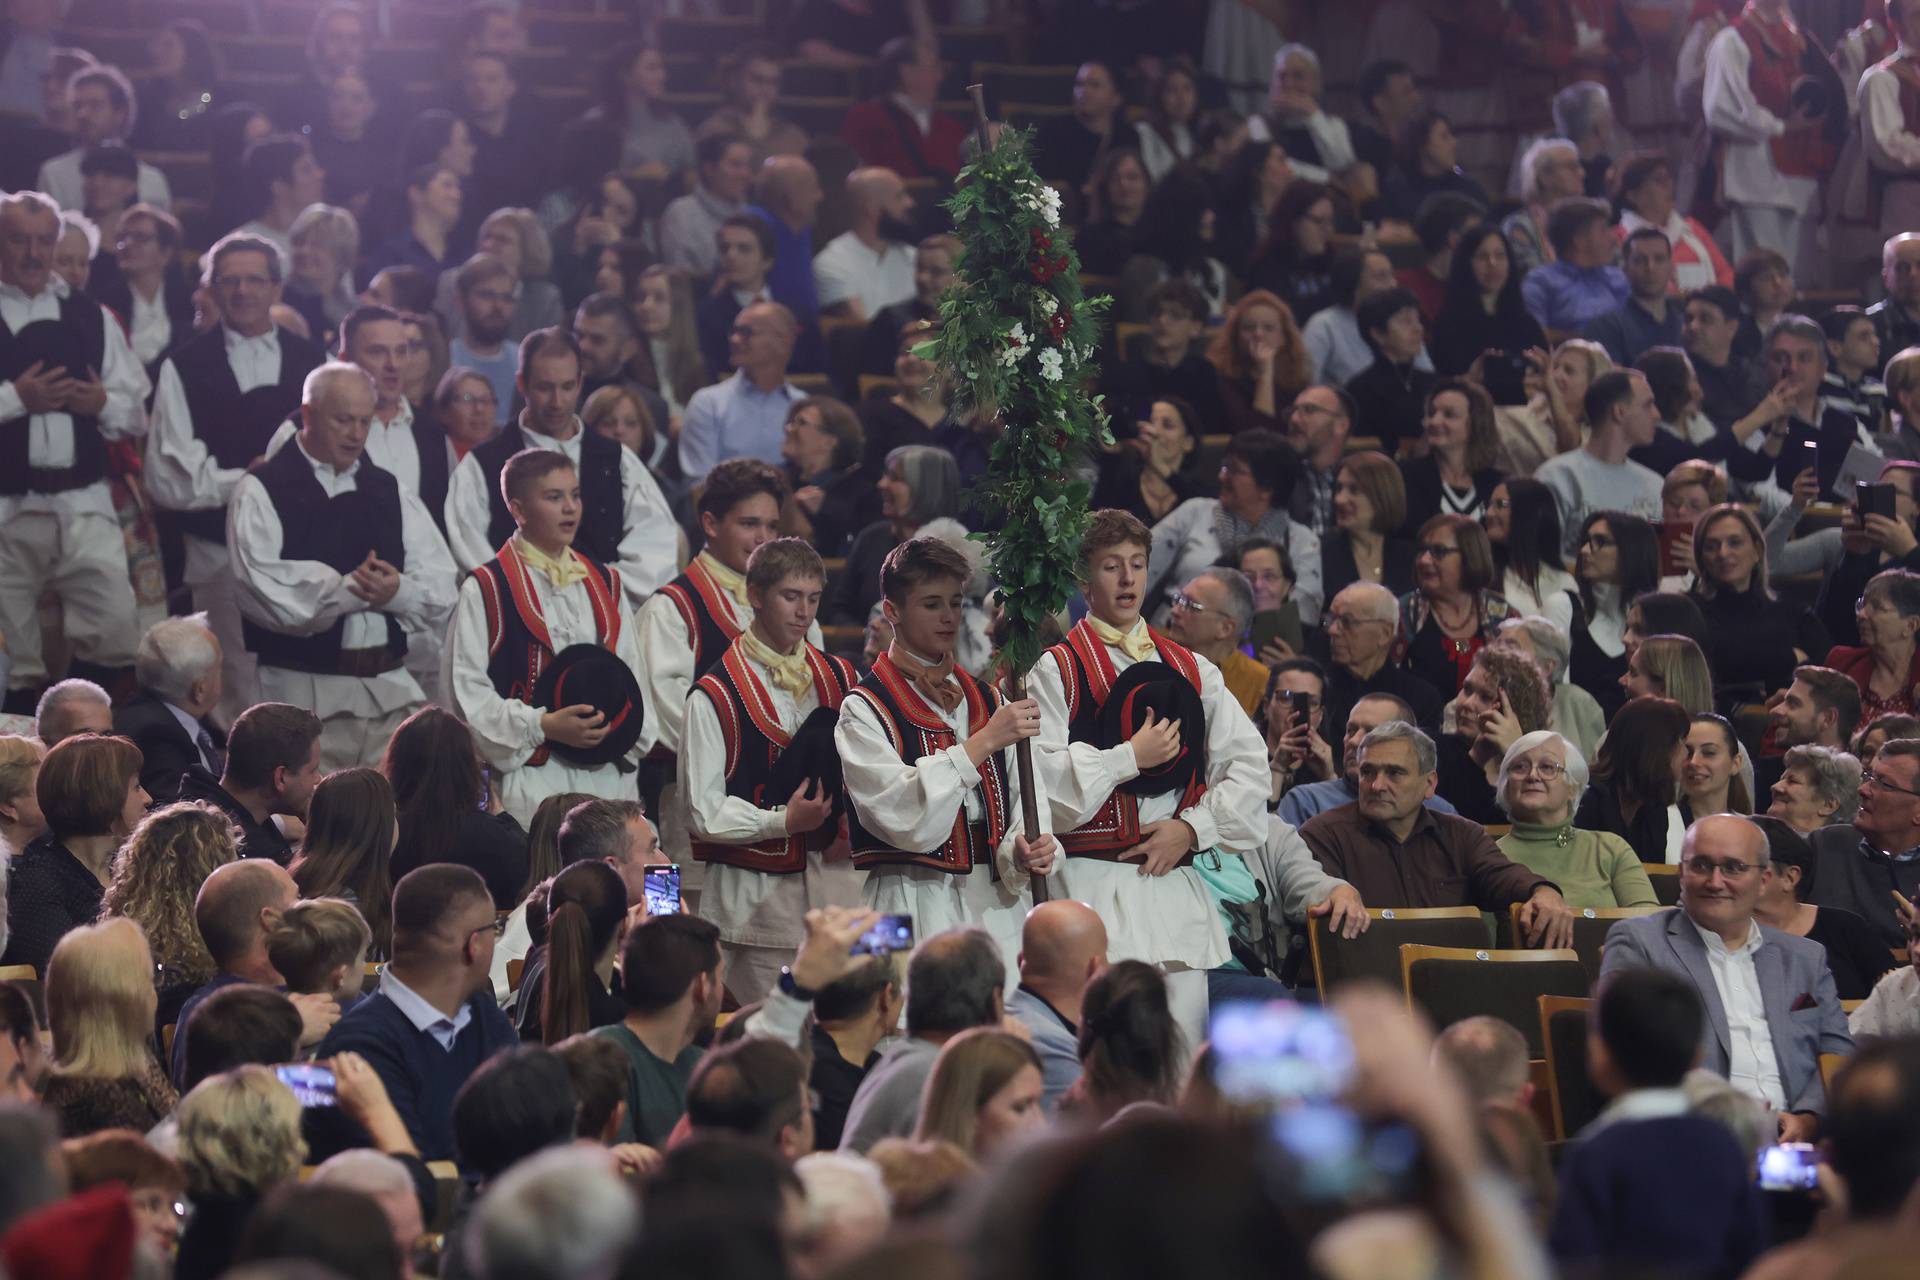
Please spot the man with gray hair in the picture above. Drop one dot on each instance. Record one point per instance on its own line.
(217, 401)
(60, 404)
(1491, 1059)
(745, 416)
(386, 1181)
(1211, 616)
(333, 561)
(1362, 621)
(1583, 114)
(1319, 146)
(178, 666)
(1396, 852)
(563, 1214)
(71, 707)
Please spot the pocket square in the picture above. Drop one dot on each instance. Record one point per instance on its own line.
(1804, 1001)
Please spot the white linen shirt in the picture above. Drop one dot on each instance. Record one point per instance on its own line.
(1890, 144)
(390, 445)
(847, 270)
(181, 474)
(1751, 1065)
(1746, 128)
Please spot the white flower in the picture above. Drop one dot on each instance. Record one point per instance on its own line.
(1014, 347)
(1050, 365)
(1047, 304)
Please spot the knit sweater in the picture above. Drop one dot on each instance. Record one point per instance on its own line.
(1593, 868)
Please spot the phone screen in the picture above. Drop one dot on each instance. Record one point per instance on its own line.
(1790, 1166)
(891, 934)
(1279, 1051)
(663, 891)
(312, 1085)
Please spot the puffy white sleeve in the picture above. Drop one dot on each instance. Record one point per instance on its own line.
(125, 380)
(468, 513)
(1233, 814)
(180, 474)
(665, 670)
(715, 815)
(427, 586)
(1079, 776)
(1885, 124)
(1727, 97)
(506, 729)
(910, 806)
(651, 543)
(299, 597)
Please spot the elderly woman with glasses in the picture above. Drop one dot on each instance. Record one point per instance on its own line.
(1453, 611)
(1886, 662)
(1854, 953)
(1818, 787)
(1542, 778)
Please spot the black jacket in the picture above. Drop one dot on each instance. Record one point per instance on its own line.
(166, 749)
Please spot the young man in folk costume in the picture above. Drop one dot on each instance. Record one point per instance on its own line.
(759, 811)
(1129, 851)
(1889, 100)
(686, 626)
(932, 790)
(1771, 132)
(537, 597)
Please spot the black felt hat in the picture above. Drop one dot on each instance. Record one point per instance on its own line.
(587, 673)
(810, 756)
(1156, 687)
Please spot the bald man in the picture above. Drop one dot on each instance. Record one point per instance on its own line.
(237, 906)
(869, 266)
(1491, 1059)
(746, 415)
(787, 197)
(1063, 946)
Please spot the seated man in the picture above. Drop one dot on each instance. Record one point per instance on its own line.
(755, 1089)
(1063, 947)
(433, 1021)
(1582, 283)
(1362, 622)
(852, 1015)
(673, 989)
(745, 416)
(178, 667)
(73, 706)
(1397, 853)
(1650, 1185)
(1769, 997)
(1859, 867)
(1368, 714)
(1210, 616)
(272, 765)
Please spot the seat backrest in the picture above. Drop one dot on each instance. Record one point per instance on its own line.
(1453, 983)
(1563, 1032)
(1666, 882)
(1376, 953)
(1590, 925)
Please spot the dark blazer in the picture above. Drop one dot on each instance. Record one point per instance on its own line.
(1338, 569)
(1803, 1011)
(166, 750)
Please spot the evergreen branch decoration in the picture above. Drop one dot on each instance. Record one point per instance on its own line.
(1017, 337)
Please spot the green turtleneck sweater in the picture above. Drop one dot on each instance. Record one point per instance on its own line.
(1593, 868)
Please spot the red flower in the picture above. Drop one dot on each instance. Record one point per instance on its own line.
(1058, 325)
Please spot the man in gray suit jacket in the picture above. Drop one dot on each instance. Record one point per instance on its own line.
(1769, 996)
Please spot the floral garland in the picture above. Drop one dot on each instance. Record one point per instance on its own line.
(1017, 335)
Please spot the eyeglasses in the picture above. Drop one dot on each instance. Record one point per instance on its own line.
(1186, 603)
(1880, 782)
(1500, 504)
(468, 399)
(1347, 621)
(493, 928)
(1438, 550)
(1704, 867)
(1545, 770)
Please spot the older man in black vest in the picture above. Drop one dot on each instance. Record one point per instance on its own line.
(333, 562)
(216, 404)
(625, 522)
(68, 384)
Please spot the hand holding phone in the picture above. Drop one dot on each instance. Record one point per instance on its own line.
(663, 891)
(890, 934)
(1789, 1166)
(312, 1085)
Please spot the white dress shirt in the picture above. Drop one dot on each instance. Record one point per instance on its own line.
(181, 474)
(150, 328)
(304, 597)
(1751, 1065)
(50, 442)
(390, 444)
(649, 540)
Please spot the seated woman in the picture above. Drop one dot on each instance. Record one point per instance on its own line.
(1452, 610)
(446, 807)
(1690, 490)
(1575, 715)
(1457, 475)
(1522, 520)
(1296, 262)
(1818, 787)
(433, 212)
(1636, 791)
(1854, 953)
(1153, 471)
(919, 485)
(1754, 638)
(21, 821)
(1663, 613)
(1619, 559)
(833, 499)
(1886, 662)
(239, 1139)
(1678, 396)
(1877, 732)
(1504, 697)
(155, 879)
(1542, 778)
(1554, 418)
(1276, 634)
(100, 1007)
(1131, 1049)
(1365, 543)
(1177, 242)
(326, 244)
(1670, 667)
(920, 404)
(352, 831)
(1646, 199)
(1117, 191)
(984, 1093)
(1425, 163)
(1483, 317)
(1716, 777)
(1261, 361)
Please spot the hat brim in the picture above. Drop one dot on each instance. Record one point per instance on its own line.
(810, 756)
(587, 673)
(1156, 687)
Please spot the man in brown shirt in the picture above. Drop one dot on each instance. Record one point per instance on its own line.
(1398, 853)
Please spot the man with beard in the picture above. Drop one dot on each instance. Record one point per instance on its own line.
(485, 287)
(870, 266)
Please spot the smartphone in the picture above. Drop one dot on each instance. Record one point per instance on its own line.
(1873, 500)
(1289, 713)
(891, 934)
(313, 1085)
(1671, 534)
(1505, 374)
(1789, 1166)
(663, 891)
(1277, 1052)
(1267, 626)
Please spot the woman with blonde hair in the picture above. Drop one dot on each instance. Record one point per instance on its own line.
(1260, 361)
(239, 1139)
(1755, 637)
(100, 1008)
(21, 821)
(984, 1091)
(1550, 423)
(156, 877)
(1670, 667)
(669, 358)
(618, 412)
(352, 828)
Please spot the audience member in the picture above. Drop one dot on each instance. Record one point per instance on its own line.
(239, 1139)
(1856, 866)
(1063, 947)
(1489, 1059)
(1543, 779)
(1389, 394)
(237, 906)
(100, 1007)
(101, 108)
(1855, 957)
(1581, 283)
(1648, 317)
(272, 767)
(21, 821)
(351, 834)
(156, 876)
(689, 225)
(672, 970)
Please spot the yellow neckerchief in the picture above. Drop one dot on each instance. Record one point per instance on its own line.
(1136, 644)
(789, 671)
(562, 570)
(734, 584)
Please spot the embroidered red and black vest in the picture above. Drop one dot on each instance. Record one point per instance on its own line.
(917, 731)
(703, 607)
(519, 646)
(755, 738)
(1087, 676)
(1777, 60)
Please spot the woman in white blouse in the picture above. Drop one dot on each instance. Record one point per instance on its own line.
(1166, 135)
(1522, 521)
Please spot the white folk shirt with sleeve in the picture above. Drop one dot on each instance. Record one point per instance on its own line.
(390, 445)
(50, 442)
(1170, 919)
(1751, 1065)
(1745, 129)
(181, 474)
(912, 806)
(753, 908)
(1891, 144)
(649, 539)
(303, 597)
(506, 730)
(150, 327)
